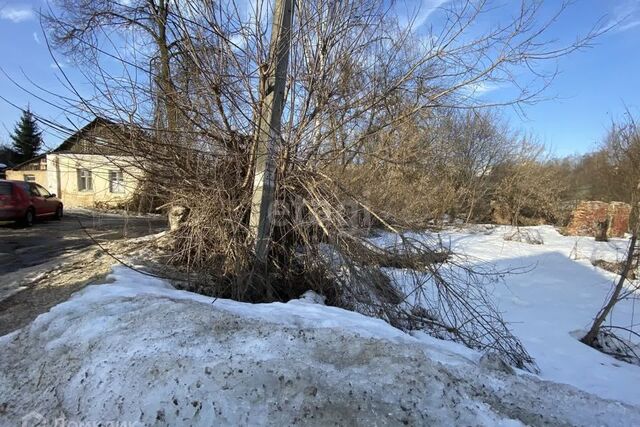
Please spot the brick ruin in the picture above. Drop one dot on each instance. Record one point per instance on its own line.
(589, 214)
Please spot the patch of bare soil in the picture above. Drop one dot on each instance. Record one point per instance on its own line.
(29, 292)
(613, 267)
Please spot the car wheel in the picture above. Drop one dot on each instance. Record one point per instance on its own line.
(58, 214)
(27, 221)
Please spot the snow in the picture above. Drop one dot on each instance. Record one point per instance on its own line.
(550, 298)
(113, 213)
(303, 312)
(136, 350)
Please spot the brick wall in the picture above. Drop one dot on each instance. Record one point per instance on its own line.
(588, 214)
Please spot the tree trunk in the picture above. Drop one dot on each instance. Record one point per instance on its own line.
(269, 124)
(164, 82)
(602, 228)
(634, 219)
(592, 335)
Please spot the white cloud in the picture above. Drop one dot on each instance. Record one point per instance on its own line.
(238, 41)
(17, 14)
(624, 26)
(417, 12)
(625, 17)
(483, 88)
(478, 89)
(36, 37)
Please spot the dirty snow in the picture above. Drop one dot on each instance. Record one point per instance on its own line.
(111, 213)
(137, 351)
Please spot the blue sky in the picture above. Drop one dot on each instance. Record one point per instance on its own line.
(593, 87)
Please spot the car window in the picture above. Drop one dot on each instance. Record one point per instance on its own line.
(5, 189)
(24, 186)
(43, 191)
(33, 190)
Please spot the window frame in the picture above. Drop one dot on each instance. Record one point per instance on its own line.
(43, 191)
(6, 186)
(85, 179)
(116, 178)
(33, 190)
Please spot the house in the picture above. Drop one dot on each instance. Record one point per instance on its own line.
(93, 167)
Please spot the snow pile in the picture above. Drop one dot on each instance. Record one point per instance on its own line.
(138, 352)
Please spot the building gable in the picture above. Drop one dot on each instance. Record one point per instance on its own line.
(100, 136)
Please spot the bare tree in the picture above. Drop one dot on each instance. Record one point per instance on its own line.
(194, 78)
(432, 165)
(623, 146)
(528, 185)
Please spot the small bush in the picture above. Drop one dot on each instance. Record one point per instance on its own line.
(531, 237)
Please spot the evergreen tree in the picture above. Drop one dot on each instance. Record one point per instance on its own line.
(27, 138)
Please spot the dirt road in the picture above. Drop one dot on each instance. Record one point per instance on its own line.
(46, 240)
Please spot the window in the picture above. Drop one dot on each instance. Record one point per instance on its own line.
(43, 191)
(30, 178)
(25, 186)
(84, 180)
(116, 182)
(33, 190)
(5, 189)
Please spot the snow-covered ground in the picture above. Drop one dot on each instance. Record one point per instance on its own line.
(558, 296)
(111, 213)
(554, 294)
(137, 351)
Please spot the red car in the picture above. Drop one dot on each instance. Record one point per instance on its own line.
(26, 201)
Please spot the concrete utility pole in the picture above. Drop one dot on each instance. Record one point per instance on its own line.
(269, 124)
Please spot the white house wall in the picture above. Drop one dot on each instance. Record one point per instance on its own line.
(62, 178)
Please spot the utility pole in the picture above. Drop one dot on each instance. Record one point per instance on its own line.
(269, 123)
